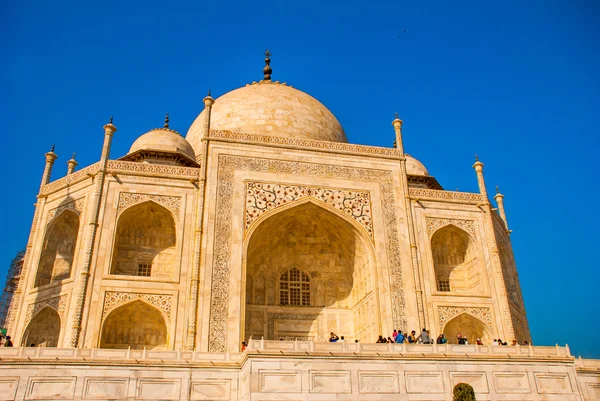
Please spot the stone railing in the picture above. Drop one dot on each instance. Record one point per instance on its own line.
(34, 354)
(406, 349)
(588, 364)
(143, 356)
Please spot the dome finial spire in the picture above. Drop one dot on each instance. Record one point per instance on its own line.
(267, 70)
(167, 121)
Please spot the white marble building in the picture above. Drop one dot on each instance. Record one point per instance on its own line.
(144, 274)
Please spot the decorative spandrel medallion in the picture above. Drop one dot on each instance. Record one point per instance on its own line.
(262, 197)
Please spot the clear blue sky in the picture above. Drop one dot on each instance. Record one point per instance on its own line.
(515, 81)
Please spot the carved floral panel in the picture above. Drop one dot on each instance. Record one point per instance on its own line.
(113, 300)
(447, 313)
(57, 303)
(126, 199)
(433, 223)
(262, 197)
(75, 205)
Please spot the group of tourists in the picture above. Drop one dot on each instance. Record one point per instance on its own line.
(424, 337)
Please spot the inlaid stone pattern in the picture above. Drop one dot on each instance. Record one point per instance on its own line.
(446, 313)
(113, 300)
(75, 205)
(445, 195)
(57, 303)
(306, 143)
(126, 199)
(262, 197)
(120, 166)
(433, 223)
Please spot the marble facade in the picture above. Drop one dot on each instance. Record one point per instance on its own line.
(265, 224)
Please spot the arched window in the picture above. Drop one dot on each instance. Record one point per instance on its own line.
(294, 288)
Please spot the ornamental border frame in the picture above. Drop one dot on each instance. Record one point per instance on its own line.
(227, 164)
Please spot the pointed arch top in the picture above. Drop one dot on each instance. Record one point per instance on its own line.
(57, 305)
(75, 206)
(448, 313)
(115, 300)
(266, 199)
(434, 224)
(129, 199)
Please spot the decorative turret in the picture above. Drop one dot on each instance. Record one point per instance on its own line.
(478, 166)
(397, 123)
(50, 158)
(500, 201)
(71, 164)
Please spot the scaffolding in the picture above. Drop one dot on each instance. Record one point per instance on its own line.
(12, 281)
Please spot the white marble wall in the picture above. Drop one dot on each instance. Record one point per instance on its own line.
(70, 374)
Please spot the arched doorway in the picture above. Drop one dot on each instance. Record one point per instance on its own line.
(469, 327)
(136, 325)
(309, 272)
(58, 249)
(457, 269)
(43, 330)
(145, 242)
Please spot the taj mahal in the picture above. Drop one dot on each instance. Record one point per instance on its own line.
(214, 266)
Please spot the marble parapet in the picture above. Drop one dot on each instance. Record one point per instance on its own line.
(299, 370)
(291, 348)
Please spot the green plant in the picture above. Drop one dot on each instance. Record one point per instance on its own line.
(463, 392)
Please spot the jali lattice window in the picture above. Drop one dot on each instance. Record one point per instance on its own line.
(444, 285)
(294, 288)
(144, 270)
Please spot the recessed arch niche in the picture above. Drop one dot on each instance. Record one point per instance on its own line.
(56, 260)
(456, 265)
(468, 326)
(137, 325)
(43, 330)
(330, 260)
(145, 242)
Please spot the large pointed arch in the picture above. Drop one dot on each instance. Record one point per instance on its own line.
(145, 242)
(43, 329)
(135, 324)
(335, 250)
(58, 251)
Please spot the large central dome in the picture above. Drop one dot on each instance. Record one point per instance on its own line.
(270, 108)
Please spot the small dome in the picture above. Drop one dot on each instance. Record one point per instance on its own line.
(163, 140)
(270, 108)
(415, 167)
